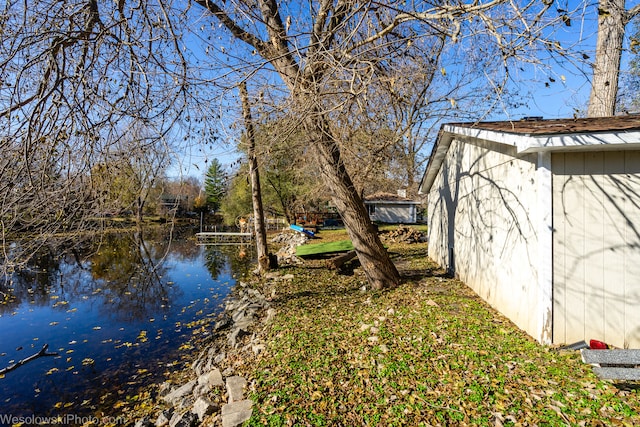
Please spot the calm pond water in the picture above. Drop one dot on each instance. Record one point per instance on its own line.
(119, 319)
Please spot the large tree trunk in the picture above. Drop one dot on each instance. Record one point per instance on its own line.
(264, 260)
(612, 19)
(375, 261)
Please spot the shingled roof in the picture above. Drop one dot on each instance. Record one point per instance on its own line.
(538, 126)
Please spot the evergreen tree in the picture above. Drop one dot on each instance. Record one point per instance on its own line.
(215, 185)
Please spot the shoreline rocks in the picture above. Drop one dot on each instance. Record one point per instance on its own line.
(212, 394)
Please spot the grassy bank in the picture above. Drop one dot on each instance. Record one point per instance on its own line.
(427, 353)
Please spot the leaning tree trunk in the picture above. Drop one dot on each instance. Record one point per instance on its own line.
(264, 260)
(376, 263)
(606, 70)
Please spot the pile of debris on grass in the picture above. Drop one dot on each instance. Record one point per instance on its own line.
(405, 234)
(289, 240)
(290, 237)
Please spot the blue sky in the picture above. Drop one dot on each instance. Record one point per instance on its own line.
(555, 90)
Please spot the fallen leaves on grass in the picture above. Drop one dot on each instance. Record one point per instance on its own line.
(428, 352)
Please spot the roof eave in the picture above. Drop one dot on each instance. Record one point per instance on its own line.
(392, 202)
(438, 155)
(526, 143)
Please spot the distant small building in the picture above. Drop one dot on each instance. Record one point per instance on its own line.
(173, 203)
(391, 208)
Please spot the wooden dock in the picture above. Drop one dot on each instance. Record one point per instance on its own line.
(219, 238)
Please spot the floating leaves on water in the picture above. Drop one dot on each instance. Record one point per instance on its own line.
(186, 346)
(51, 371)
(88, 361)
(142, 336)
(73, 342)
(119, 404)
(97, 328)
(125, 344)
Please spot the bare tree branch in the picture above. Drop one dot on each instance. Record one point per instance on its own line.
(42, 353)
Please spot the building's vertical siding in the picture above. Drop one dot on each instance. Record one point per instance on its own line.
(560, 299)
(596, 221)
(394, 213)
(482, 225)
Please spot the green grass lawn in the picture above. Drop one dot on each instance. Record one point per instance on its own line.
(429, 352)
(324, 248)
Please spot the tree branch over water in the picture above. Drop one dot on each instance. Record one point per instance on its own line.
(42, 353)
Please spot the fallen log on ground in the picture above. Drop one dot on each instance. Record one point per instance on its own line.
(43, 352)
(337, 262)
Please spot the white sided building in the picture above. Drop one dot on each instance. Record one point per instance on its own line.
(391, 208)
(541, 218)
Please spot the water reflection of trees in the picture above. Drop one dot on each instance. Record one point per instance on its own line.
(131, 275)
(126, 271)
(34, 282)
(239, 257)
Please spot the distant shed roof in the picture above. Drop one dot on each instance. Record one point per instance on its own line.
(538, 135)
(388, 197)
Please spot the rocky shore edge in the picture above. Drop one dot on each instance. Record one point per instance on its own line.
(209, 392)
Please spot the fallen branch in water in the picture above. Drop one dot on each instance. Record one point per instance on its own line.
(41, 353)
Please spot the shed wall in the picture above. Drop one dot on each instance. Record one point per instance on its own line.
(482, 209)
(596, 249)
(394, 213)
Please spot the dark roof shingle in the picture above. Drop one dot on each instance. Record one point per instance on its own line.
(558, 126)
